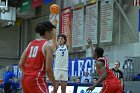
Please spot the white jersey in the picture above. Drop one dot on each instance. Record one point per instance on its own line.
(61, 58)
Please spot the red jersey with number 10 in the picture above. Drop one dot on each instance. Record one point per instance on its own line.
(111, 78)
(35, 59)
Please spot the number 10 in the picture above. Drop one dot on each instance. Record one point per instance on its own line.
(33, 51)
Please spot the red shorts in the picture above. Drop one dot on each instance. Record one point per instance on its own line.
(112, 88)
(31, 84)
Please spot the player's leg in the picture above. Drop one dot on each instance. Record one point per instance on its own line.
(119, 88)
(34, 85)
(104, 88)
(24, 84)
(63, 86)
(57, 86)
(38, 85)
(64, 79)
(111, 88)
(57, 74)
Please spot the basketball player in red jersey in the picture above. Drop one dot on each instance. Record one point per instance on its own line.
(36, 61)
(110, 83)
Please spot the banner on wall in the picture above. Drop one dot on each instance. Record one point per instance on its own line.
(74, 2)
(66, 15)
(78, 66)
(16, 70)
(47, 1)
(78, 25)
(67, 3)
(36, 3)
(25, 5)
(106, 21)
(139, 21)
(91, 21)
(136, 3)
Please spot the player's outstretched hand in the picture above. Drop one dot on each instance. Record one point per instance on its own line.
(90, 89)
(89, 41)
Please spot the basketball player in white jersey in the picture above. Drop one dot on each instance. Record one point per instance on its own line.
(61, 45)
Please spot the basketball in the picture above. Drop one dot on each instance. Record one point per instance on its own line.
(54, 9)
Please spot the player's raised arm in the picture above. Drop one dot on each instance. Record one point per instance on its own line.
(91, 45)
(54, 40)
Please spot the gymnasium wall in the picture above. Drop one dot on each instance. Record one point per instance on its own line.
(128, 45)
(14, 39)
(9, 45)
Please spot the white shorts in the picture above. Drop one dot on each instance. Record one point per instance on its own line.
(61, 75)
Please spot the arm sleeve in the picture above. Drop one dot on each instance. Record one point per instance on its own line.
(121, 74)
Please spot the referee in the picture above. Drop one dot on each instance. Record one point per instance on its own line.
(118, 73)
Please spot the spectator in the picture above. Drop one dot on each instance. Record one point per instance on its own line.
(118, 73)
(86, 81)
(95, 80)
(86, 76)
(78, 80)
(8, 77)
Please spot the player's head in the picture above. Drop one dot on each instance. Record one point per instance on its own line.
(98, 52)
(45, 29)
(62, 39)
(117, 65)
(7, 68)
